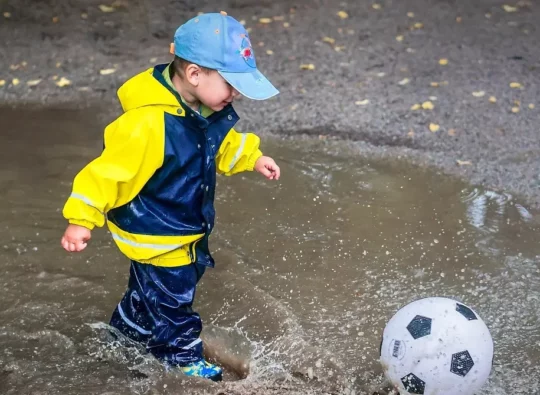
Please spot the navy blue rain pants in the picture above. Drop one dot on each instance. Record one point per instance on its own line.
(156, 310)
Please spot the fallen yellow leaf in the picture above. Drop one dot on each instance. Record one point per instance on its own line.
(433, 127)
(488, 15)
(509, 8)
(452, 132)
(479, 94)
(329, 40)
(531, 106)
(55, 19)
(54, 77)
(444, 83)
(339, 48)
(381, 74)
(342, 14)
(517, 103)
(515, 110)
(7, 15)
(410, 14)
(410, 50)
(2, 82)
(416, 107)
(516, 85)
(399, 38)
(418, 25)
(33, 82)
(286, 24)
(63, 82)
(84, 15)
(84, 89)
(265, 20)
(14, 66)
(362, 102)
(404, 81)
(376, 6)
(427, 105)
(433, 98)
(492, 99)
(309, 66)
(434, 84)
(294, 107)
(153, 60)
(458, 19)
(107, 71)
(15, 81)
(269, 52)
(443, 62)
(463, 162)
(411, 133)
(106, 8)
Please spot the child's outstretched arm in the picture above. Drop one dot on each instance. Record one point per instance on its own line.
(240, 152)
(133, 152)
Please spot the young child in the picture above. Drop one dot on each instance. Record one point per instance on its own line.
(154, 182)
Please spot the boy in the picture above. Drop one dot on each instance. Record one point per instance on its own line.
(154, 182)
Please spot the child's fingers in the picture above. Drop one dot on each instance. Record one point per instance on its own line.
(73, 246)
(81, 245)
(64, 243)
(277, 172)
(266, 172)
(274, 169)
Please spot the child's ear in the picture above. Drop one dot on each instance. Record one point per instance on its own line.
(171, 48)
(192, 74)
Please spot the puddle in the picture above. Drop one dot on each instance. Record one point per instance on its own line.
(308, 270)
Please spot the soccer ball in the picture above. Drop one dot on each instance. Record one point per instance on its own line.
(437, 346)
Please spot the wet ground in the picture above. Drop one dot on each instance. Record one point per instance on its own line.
(309, 270)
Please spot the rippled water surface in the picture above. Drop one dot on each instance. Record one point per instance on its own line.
(309, 269)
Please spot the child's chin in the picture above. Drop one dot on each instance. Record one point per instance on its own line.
(218, 108)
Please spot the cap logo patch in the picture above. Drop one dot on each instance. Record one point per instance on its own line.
(246, 51)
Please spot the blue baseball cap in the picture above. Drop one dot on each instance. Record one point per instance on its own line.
(219, 42)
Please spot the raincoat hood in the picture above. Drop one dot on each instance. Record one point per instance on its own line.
(147, 89)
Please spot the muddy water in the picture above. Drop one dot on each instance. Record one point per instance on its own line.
(308, 271)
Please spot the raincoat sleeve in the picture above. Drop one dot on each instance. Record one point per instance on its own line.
(238, 152)
(134, 150)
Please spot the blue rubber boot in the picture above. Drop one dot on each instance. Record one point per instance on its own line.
(203, 369)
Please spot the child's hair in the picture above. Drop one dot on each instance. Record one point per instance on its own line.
(179, 67)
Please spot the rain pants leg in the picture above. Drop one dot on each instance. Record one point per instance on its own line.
(157, 311)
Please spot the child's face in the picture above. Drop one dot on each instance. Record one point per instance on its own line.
(214, 92)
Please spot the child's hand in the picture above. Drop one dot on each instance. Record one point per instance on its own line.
(267, 167)
(75, 238)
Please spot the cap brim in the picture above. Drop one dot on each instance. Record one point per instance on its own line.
(252, 85)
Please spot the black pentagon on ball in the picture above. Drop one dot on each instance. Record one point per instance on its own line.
(413, 384)
(466, 312)
(462, 363)
(419, 327)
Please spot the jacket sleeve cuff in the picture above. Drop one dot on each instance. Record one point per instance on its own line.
(82, 222)
(253, 159)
